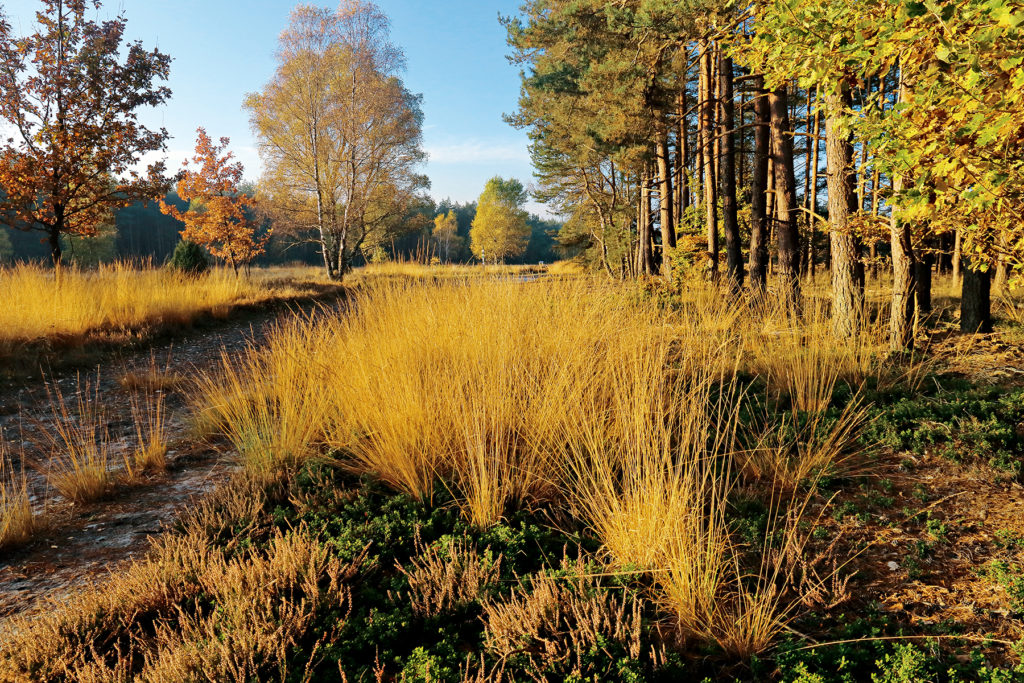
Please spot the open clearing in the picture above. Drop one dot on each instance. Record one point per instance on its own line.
(403, 489)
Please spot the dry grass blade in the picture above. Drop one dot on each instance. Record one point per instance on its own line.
(152, 380)
(801, 447)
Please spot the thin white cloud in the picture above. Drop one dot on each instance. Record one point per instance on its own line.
(477, 152)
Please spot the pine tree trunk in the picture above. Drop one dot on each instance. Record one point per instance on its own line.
(815, 159)
(904, 275)
(682, 160)
(847, 294)
(904, 271)
(923, 283)
(647, 262)
(805, 266)
(759, 191)
(976, 303)
(668, 230)
(707, 126)
(957, 258)
(785, 197)
(730, 225)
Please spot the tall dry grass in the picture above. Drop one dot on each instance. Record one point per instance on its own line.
(423, 270)
(800, 358)
(580, 392)
(85, 462)
(81, 463)
(18, 519)
(40, 306)
(461, 382)
(149, 414)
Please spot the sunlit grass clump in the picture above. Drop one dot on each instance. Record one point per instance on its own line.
(18, 520)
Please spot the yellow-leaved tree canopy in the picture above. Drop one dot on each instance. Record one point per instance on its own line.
(446, 235)
(339, 134)
(500, 229)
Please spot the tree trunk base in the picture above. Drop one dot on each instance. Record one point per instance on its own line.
(976, 302)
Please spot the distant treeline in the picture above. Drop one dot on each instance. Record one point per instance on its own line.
(543, 244)
(140, 232)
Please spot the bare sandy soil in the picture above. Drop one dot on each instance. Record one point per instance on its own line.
(83, 543)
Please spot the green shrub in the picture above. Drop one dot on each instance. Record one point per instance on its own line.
(961, 423)
(189, 258)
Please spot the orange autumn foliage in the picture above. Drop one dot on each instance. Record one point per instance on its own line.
(70, 95)
(218, 216)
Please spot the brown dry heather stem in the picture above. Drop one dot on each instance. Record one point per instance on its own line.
(560, 620)
(443, 578)
(149, 621)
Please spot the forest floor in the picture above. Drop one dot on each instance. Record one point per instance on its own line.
(80, 543)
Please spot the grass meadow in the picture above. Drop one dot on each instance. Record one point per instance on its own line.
(121, 301)
(499, 478)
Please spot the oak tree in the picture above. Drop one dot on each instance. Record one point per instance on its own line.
(71, 105)
(220, 214)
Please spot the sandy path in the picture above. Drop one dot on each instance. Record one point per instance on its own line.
(85, 542)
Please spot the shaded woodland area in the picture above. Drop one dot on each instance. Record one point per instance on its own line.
(736, 141)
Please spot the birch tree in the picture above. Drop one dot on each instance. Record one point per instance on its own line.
(340, 135)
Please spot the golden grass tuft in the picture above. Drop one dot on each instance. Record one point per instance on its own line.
(81, 464)
(800, 448)
(152, 379)
(580, 392)
(18, 520)
(270, 405)
(800, 359)
(440, 271)
(149, 414)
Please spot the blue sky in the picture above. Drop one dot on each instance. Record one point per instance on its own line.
(223, 49)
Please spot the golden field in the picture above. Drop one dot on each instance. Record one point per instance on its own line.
(627, 421)
(79, 305)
